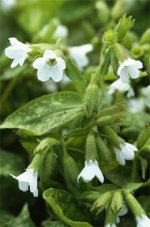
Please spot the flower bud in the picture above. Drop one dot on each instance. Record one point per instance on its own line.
(143, 137)
(109, 37)
(49, 168)
(103, 11)
(103, 149)
(45, 145)
(91, 149)
(117, 9)
(113, 137)
(119, 52)
(133, 203)
(92, 98)
(137, 51)
(90, 196)
(71, 170)
(124, 25)
(116, 202)
(145, 37)
(108, 120)
(102, 201)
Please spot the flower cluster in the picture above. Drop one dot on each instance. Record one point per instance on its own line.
(129, 68)
(49, 65)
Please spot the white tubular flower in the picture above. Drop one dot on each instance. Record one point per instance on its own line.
(49, 66)
(26, 180)
(125, 152)
(61, 31)
(143, 221)
(136, 105)
(110, 225)
(121, 86)
(78, 54)
(129, 67)
(90, 171)
(122, 212)
(18, 51)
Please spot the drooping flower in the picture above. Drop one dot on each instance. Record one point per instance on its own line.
(61, 31)
(122, 212)
(49, 66)
(122, 86)
(27, 180)
(18, 51)
(129, 67)
(90, 171)
(110, 225)
(79, 54)
(143, 221)
(125, 152)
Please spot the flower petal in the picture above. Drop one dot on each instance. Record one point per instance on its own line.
(38, 63)
(138, 64)
(23, 186)
(43, 73)
(61, 63)
(56, 73)
(134, 72)
(119, 156)
(48, 54)
(124, 75)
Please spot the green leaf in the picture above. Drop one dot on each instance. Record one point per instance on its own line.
(59, 200)
(118, 175)
(55, 224)
(45, 113)
(23, 219)
(75, 75)
(10, 163)
(144, 166)
(133, 186)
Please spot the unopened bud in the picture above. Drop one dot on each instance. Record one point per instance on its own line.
(143, 137)
(110, 37)
(145, 37)
(113, 137)
(102, 201)
(71, 170)
(103, 149)
(124, 25)
(92, 98)
(116, 202)
(103, 11)
(91, 149)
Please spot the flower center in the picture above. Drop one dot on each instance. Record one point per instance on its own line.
(51, 61)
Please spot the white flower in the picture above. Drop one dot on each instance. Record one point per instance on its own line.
(125, 152)
(18, 51)
(49, 66)
(122, 86)
(78, 54)
(136, 105)
(122, 212)
(90, 171)
(26, 180)
(129, 67)
(61, 31)
(143, 221)
(7, 4)
(110, 225)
